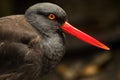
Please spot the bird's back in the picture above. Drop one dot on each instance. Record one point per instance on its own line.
(19, 49)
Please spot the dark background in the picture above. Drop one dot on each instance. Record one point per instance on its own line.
(99, 18)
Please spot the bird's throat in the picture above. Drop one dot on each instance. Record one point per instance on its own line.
(53, 45)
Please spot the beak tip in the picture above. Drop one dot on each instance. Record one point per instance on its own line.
(106, 48)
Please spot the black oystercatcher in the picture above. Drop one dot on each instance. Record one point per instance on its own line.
(32, 44)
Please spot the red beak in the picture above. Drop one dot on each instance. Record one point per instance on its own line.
(82, 36)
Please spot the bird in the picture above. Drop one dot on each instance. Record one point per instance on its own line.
(32, 44)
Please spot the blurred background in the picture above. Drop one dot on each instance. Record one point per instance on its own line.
(100, 19)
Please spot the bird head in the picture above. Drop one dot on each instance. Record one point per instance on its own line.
(46, 16)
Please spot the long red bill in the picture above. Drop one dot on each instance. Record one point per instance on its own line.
(82, 36)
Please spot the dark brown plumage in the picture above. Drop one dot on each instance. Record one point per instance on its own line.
(18, 49)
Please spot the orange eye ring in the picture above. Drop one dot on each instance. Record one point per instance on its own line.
(51, 16)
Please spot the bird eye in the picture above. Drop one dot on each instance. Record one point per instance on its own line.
(51, 16)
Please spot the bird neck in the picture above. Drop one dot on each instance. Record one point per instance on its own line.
(53, 44)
